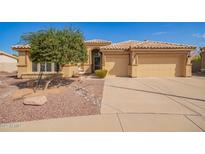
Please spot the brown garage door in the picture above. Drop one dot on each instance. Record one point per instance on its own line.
(164, 65)
(117, 65)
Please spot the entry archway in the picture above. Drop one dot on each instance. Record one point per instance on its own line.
(96, 60)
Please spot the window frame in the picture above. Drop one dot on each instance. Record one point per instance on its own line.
(52, 68)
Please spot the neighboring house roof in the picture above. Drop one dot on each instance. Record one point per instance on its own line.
(8, 55)
(145, 45)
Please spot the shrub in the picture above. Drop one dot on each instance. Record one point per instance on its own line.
(197, 59)
(101, 73)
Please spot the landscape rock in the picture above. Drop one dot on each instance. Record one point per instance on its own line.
(12, 108)
(35, 100)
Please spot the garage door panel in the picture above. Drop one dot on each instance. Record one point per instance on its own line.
(160, 66)
(117, 65)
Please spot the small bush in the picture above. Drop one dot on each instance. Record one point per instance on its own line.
(101, 73)
(197, 59)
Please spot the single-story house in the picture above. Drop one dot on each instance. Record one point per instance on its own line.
(203, 59)
(8, 63)
(128, 58)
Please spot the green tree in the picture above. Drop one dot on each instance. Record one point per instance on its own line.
(60, 46)
(64, 46)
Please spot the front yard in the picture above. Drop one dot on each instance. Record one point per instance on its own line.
(74, 99)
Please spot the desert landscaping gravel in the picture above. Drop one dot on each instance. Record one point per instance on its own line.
(76, 99)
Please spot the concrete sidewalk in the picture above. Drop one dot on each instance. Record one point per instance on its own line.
(112, 123)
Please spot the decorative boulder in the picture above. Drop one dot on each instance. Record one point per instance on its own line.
(35, 100)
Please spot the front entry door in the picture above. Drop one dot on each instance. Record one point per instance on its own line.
(96, 60)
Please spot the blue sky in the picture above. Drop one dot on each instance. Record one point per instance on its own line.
(187, 33)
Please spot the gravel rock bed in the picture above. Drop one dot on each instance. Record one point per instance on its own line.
(76, 99)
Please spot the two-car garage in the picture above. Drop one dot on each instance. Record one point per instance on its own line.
(148, 65)
(147, 59)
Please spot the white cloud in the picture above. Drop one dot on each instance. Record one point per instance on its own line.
(159, 33)
(199, 35)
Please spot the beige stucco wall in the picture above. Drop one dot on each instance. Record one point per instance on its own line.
(24, 66)
(133, 70)
(88, 66)
(135, 63)
(69, 70)
(8, 64)
(24, 63)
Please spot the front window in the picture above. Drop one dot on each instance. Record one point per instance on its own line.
(48, 67)
(44, 67)
(34, 67)
(56, 67)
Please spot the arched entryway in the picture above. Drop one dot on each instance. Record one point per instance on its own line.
(96, 60)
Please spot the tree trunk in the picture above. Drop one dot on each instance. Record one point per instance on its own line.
(52, 78)
(47, 84)
(38, 81)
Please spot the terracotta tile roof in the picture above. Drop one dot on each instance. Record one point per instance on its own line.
(145, 45)
(26, 46)
(98, 41)
(128, 44)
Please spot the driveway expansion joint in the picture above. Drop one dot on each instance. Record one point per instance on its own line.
(119, 121)
(194, 123)
(185, 106)
(157, 93)
(114, 108)
(196, 105)
(173, 99)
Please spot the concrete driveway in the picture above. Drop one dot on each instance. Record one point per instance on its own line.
(156, 104)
